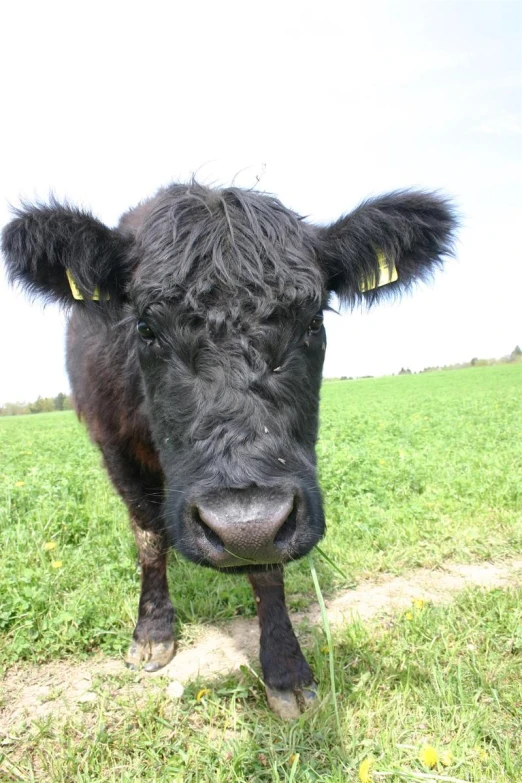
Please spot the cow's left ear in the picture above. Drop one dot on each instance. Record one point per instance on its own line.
(386, 244)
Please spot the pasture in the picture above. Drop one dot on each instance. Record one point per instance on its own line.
(417, 472)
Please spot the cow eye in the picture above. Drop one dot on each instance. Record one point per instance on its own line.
(316, 323)
(145, 331)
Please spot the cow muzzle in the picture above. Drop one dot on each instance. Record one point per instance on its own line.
(246, 526)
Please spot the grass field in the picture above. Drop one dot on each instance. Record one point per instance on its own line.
(416, 470)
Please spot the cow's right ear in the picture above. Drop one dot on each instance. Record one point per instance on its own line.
(62, 253)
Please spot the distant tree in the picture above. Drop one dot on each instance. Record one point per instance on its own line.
(405, 371)
(474, 362)
(59, 401)
(42, 405)
(14, 409)
(516, 354)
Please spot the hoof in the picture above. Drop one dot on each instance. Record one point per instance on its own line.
(308, 697)
(289, 705)
(153, 655)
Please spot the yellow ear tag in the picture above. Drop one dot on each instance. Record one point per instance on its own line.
(387, 274)
(77, 294)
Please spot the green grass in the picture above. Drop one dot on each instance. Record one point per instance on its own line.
(448, 677)
(416, 470)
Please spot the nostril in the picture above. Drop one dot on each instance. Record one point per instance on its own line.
(211, 536)
(257, 527)
(287, 530)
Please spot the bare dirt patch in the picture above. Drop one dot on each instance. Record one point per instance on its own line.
(61, 687)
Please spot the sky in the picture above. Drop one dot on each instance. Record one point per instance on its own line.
(325, 103)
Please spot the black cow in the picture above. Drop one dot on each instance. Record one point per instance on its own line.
(195, 350)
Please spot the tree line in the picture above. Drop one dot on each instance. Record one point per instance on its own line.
(62, 402)
(514, 356)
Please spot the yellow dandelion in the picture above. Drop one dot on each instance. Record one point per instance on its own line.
(409, 615)
(294, 759)
(49, 546)
(57, 564)
(382, 462)
(429, 756)
(446, 758)
(19, 483)
(202, 693)
(418, 603)
(325, 649)
(364, 770)
(481, 753)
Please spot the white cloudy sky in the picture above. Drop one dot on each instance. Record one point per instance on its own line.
(333, 101)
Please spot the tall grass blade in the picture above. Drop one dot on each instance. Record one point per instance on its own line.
(326, 626)
(333, 564)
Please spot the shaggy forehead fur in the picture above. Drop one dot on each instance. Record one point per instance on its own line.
(209, 248)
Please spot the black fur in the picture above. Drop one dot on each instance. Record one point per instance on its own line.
(282, 662)
(43, 241)
(225, 394)
(414, 231)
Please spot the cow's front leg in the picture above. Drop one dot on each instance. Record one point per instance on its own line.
(289, 680)
(153, 638)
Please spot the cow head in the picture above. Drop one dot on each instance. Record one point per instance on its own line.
(222, 293)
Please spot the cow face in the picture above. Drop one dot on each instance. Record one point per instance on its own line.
(227, 294)
(224, 292)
